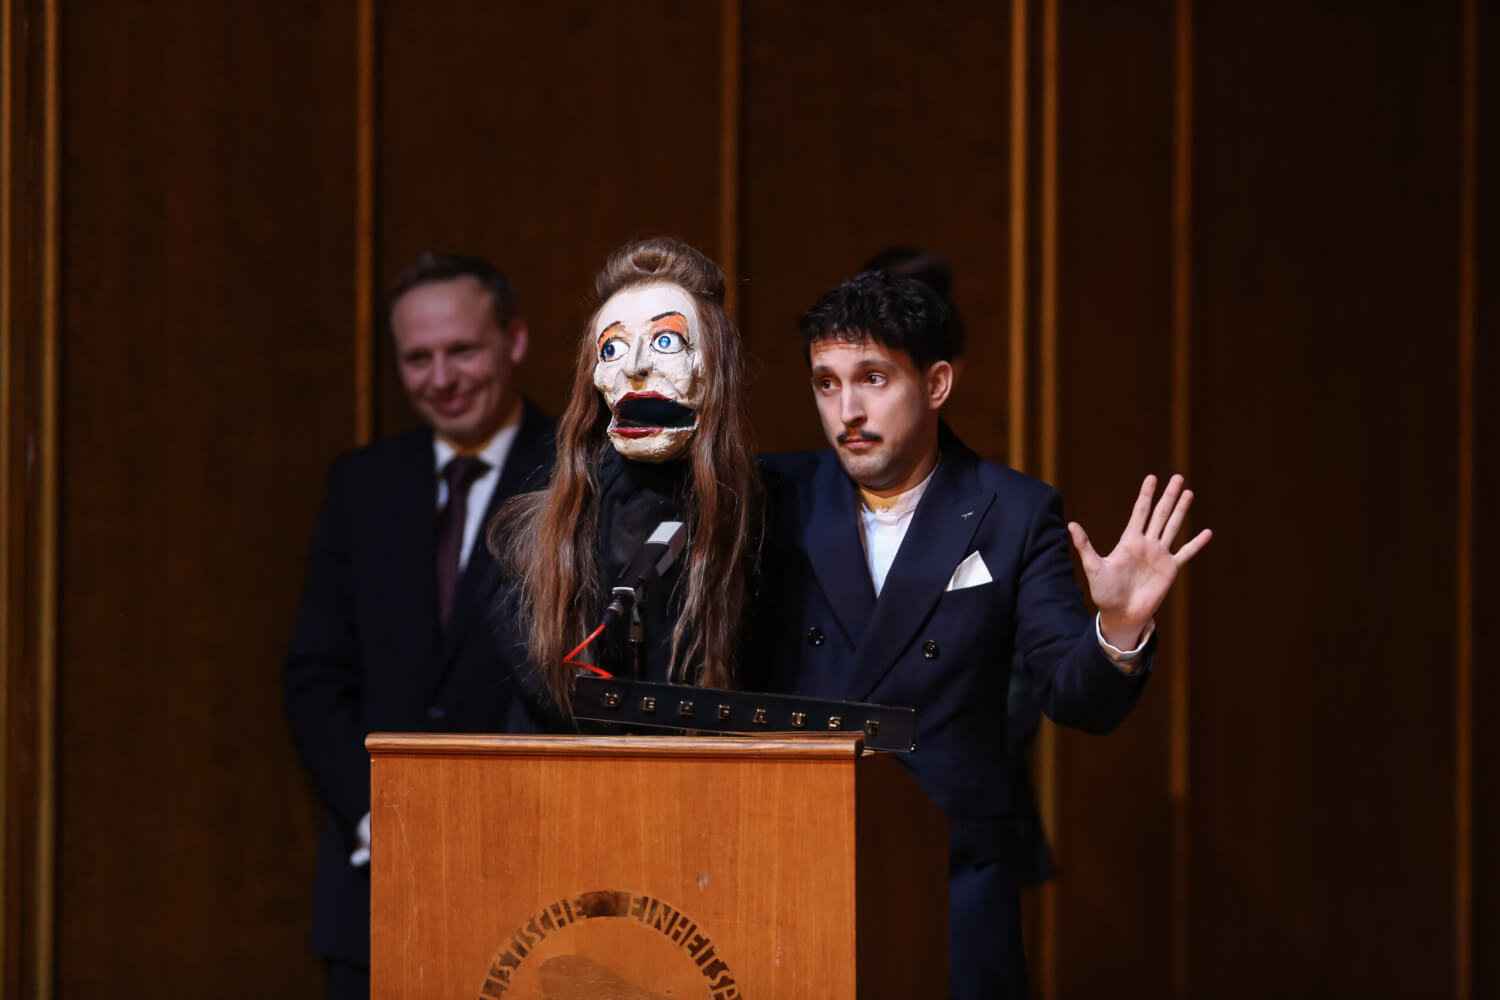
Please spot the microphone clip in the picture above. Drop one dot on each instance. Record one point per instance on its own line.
(655, 557)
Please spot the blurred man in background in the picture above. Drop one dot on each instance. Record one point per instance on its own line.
(389, 636)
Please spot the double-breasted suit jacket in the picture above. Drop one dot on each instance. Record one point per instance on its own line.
(944, 650)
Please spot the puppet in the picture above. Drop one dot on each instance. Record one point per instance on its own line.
(656, 429)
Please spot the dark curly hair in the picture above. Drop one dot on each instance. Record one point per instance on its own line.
(902, 314)
(930, 269)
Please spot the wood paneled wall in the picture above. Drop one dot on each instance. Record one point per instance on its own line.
(206, 351)
(543, 137)
(852, 112)
(1236, 240)
(28, 490)
(1337, 240)
(1264, 289)
(1479, 368)
(1111, 912)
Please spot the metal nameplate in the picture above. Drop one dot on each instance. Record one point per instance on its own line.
(709, 710)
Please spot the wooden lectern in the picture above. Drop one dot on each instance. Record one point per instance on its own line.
(637, 868)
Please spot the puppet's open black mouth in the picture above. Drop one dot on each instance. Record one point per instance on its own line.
(641, 410)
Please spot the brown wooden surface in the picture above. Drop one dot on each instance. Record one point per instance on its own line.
(542, 136)
(28, 485)
(1113, 896)
(206, 379)
(472, 838)
(901, 883)
(867, 125)
(1483, 86)
(1326, 228)
(818, 747)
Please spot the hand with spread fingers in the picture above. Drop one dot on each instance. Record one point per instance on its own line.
(1130, 583)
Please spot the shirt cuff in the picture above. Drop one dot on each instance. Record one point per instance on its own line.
(1120, 657)
(361, 854)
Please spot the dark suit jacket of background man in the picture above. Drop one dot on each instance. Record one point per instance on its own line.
(946, 654)
(368, 654)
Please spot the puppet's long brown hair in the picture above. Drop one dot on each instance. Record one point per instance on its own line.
(549, 540)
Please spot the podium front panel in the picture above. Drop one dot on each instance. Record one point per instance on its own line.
(643, 867)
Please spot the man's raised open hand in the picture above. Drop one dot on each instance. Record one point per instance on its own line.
(1129, 584)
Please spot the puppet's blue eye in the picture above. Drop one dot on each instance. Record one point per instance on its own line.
(667, 342)
(612, 349)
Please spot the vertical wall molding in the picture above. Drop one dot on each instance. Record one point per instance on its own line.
(13, 501)
(1017, 458)
(729, 148)
(47, 569)
(1463, 724)
(1047, 303)
(364, 223)
(1181, 415)
(29, 143)
(1047, 307)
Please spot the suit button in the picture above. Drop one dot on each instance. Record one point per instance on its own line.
(815, 636)
(930, 650)
(435, 712)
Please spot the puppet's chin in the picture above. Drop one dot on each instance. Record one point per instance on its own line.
(651, 444)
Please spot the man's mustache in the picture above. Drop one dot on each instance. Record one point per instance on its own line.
(845, 436)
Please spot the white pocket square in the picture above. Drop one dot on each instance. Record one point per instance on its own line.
(970, 573)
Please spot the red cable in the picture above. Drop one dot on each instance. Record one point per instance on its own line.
(587, 666)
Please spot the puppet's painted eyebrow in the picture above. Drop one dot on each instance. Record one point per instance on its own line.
(659, 318)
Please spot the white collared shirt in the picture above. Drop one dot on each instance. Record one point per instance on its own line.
(882, 531)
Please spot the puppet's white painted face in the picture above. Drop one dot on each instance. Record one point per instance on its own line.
(649, 371)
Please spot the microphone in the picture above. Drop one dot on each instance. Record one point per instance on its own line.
(654, 558)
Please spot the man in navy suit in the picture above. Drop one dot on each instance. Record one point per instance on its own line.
(905, 570)
(389, 636)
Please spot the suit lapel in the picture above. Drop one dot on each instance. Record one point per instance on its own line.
(530, 450)
(408, 529)
(830, 536)
(937, 540)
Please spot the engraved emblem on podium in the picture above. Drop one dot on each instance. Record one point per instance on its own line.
(609, 943)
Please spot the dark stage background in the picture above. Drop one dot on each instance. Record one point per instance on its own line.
(1239, 240)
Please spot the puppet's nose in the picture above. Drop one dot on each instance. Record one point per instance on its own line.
(638, 361)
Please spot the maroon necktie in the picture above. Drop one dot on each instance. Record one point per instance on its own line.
(459, 474)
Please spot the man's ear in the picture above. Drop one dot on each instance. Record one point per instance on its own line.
(520, 340)
(940, 378)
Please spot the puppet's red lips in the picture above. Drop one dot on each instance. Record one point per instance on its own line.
(640, 413)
